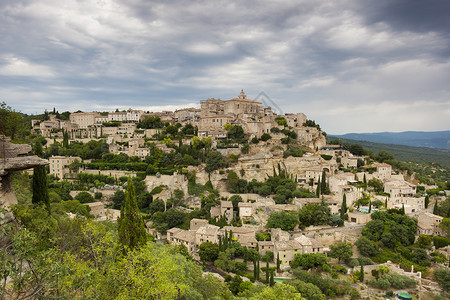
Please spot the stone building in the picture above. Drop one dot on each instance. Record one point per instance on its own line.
(59, 165)
(428, 223)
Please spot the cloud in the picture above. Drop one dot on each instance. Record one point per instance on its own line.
(14, 66)
(376, 61)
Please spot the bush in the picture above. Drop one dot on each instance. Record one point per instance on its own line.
(443, 278)
(440, 242)
(394, 280)
(84, 197)
(339, 268)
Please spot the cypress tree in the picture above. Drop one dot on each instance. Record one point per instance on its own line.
(323, 186)
(318, 188)
(385, 203)
(258, 269)
(220, 243)
(267, 270)
(403, 208)
(365, 181)
(39, 183)
(370, 206)
(278, 262)
(254, 269)
(130, 224)
(343, 207)
(230, 239)
(272, 282)
(65, 139)
(361, 277)
(427, 201)
(436, 208)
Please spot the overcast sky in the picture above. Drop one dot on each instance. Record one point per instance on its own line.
(350, 65)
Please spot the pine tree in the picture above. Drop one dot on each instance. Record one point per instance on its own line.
(39, 184)
(130, 224)
(427, 201)
(318, 188)
(361, 277)
(436, 208)
(343, 207)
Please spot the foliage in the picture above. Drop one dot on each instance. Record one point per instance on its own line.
(341, 251)
(392, 280)
(443, 278)
(440, 242)
(208, 251)
(278, 291)
(308, 260)
(84, 197)
(391, 228)
(168, 219)
(130, 224)
(214, 161)
(294, 151)
(283, 220)
(366, 247)
(314, 214)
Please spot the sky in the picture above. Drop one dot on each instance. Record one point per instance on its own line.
(350, 65)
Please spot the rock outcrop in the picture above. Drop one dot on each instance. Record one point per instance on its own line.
(13, 157)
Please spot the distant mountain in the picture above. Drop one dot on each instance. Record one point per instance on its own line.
(432, 139)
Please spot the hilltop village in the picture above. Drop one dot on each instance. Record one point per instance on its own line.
(236, 184)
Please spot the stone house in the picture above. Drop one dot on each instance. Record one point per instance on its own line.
(279, 235)
(245, 210)
(208, 233)
(180, 236)
(197, 223)
(399, 188)
(428, 224)
(224, 209)
(358, 217)
(265, 246)
(286, 250)
(59, 165)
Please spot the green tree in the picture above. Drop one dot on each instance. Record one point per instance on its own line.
(283, 220)
(84, 197)
(307, 290)
(208, 251)
(436, 208)
(279, 291)
(308, 260)
(341, 251)
(40, 184)
(265, 137)
(323, 183)
(314, 214)
(214, 161)
(361, 273)
(443, 278)
(319, 185)
(130, 224)
(343, 208)
(366, 247)
(376, 184)
(427, 201)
